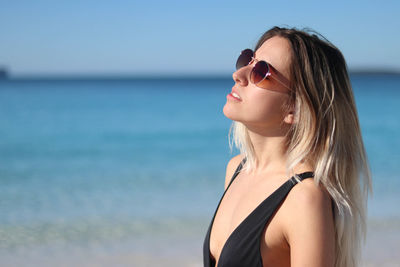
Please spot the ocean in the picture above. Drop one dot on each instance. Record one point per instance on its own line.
(128, 172)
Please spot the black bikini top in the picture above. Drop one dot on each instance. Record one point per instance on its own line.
(242, 248)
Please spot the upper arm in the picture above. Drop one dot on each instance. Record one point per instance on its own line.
(310, 227)
(231, 167)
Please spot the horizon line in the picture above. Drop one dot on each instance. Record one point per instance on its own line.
(4, 75)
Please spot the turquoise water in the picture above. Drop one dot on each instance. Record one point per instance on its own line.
(95, 162)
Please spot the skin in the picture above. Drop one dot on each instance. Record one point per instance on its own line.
(301, 232)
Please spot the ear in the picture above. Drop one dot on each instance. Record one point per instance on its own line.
(289, 118)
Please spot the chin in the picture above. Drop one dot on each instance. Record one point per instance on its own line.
(229, 112)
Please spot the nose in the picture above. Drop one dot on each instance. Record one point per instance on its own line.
(241, 76)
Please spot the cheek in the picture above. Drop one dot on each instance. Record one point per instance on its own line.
(266, 108)
(263, 109)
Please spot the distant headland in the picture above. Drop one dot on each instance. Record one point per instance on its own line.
(3, 73)
(374, 72)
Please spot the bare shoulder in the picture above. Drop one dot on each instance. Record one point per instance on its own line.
(307, 194)
(231, 167)
(308, 225)
(307, 199)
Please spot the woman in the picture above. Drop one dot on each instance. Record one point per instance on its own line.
(296, 195)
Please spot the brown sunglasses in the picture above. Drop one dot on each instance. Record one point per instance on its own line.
(261, 71)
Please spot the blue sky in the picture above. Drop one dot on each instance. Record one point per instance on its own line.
(182, 37)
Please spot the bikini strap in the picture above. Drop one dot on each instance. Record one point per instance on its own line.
(302, 176)
(237, 171)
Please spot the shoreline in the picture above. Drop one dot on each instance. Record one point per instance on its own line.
(173, 250)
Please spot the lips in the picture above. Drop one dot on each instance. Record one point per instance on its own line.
(235, 95)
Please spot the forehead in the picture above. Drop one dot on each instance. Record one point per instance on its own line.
(276, 51)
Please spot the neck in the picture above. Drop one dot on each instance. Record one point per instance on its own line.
(269, 148)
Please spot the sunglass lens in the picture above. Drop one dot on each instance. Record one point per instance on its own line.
(244, 58)
(259, 72)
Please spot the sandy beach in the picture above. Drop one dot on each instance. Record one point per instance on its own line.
(173, 249)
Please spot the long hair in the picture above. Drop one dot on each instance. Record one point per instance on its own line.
(326, 133)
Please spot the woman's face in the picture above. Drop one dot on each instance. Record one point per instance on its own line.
(259, 107)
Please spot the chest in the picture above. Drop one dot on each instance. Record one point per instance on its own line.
(243, 207)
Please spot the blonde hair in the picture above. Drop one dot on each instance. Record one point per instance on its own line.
(326, 134)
